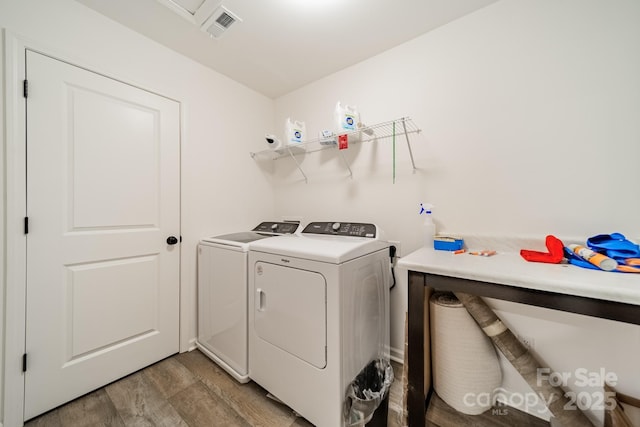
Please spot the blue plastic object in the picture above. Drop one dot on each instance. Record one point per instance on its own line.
(445, 243)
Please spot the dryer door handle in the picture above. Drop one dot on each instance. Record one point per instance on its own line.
(261, 300)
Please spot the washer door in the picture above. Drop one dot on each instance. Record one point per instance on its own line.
(290, 311)
(222, 305)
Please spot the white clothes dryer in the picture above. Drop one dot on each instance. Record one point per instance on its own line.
(222, 295)
(319, 313)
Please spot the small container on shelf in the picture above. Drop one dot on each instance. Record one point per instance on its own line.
(447, 243)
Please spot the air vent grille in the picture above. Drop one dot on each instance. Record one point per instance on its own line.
(209, 15)
(219, 21)
(225, 20)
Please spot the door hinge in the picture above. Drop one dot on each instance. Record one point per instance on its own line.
(26, 225)
(24, 362)
(25, 88)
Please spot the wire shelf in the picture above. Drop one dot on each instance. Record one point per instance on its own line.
(399, 127)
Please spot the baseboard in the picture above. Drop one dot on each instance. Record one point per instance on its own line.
(192, 346)
(396, 355)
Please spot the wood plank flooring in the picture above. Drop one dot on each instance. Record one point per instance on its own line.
(187, 389)
(439, 414)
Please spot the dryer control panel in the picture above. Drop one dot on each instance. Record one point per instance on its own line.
(352, 229)
(277, 227)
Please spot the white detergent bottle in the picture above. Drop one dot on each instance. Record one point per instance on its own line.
(347, 117)
(429, 226)
(295, 131)
(348, 121)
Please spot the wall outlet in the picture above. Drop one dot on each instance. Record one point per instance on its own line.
(396, 243)
(528, 342)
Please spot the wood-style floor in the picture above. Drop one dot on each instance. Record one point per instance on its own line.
(187, 389)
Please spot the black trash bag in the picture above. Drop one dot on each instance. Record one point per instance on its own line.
(367, 392)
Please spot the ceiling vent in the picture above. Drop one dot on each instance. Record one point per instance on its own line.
(219, 22)
(210, 16)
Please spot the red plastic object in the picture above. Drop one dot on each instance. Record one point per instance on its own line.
(554, 256)
(343, 142)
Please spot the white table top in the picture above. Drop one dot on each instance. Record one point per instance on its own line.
(508, 268)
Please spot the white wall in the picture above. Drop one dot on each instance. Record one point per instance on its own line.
(222, 121)
(529, 111)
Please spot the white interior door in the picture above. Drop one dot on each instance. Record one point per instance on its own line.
(102, 199)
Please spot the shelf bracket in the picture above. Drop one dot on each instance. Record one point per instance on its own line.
(406, 135)
(346, 164)
(297, 164)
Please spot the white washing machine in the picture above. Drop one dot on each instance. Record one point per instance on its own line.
(319, 313)
(222, 295)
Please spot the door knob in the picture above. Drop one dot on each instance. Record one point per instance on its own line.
(172, 240)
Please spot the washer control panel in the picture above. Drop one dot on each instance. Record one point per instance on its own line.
(277, 227)
(352, 229)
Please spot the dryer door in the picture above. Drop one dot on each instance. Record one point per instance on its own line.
(290, 311)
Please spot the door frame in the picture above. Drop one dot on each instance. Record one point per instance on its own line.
(14, 251)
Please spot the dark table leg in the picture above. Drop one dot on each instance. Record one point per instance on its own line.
(415, 337)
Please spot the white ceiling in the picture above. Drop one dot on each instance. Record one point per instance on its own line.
(282, 45)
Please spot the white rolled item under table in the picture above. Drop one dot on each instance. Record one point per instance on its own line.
(466, 369)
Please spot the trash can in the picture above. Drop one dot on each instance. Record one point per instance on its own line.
(367, 398)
